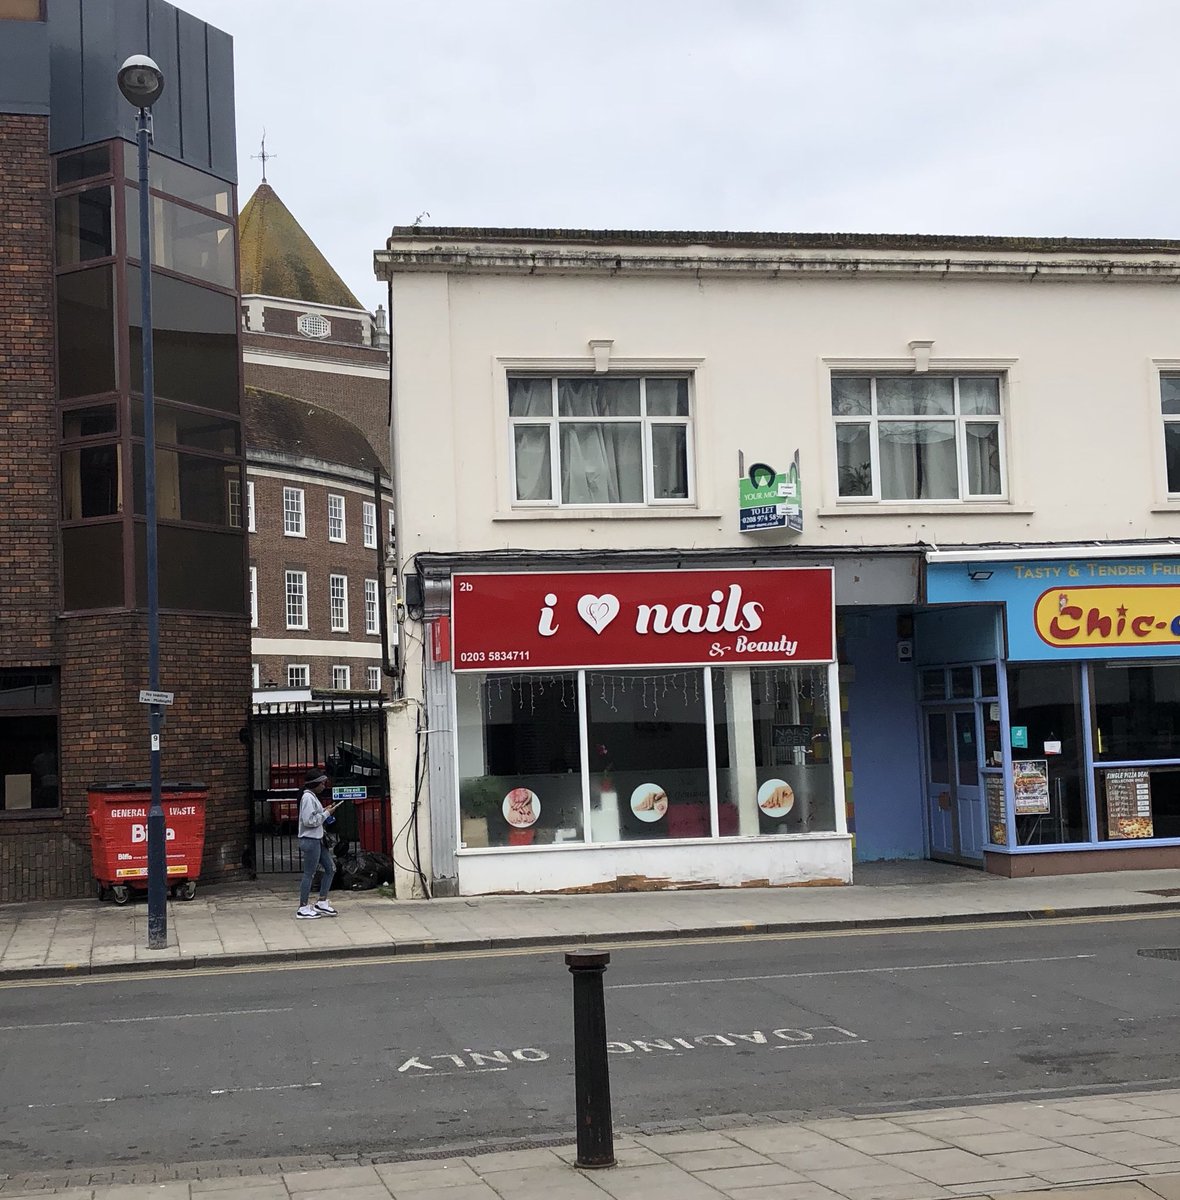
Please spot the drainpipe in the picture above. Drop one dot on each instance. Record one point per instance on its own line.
(397, 671)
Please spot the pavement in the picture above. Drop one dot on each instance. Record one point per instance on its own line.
(1119, 1146)
(1123, 1146)
(254, 922)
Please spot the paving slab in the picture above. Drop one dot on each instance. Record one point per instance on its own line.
(1166, 1186)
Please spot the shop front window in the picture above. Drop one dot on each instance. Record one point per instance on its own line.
(647, 746)
(520, 780)
(1136, 709)
(1048, 754)
(774, 772)
(649, 755)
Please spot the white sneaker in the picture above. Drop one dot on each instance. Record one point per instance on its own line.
(306, 913)
(324, 909)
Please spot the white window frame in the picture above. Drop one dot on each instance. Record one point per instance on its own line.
(253, 597)
(298, 675)
(392, 543)
(373, 678)
(251, 525)
(369, 524)
(338, 603)
(372, 612)
(958, 419)
(1167, 369)
(233, 495)
(295, 586)
(294, 521)
(645, 422)
(255, 676)
(336, 526)
(342, 678)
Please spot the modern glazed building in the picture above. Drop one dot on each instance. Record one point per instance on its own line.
(735, 559)
(72, 531)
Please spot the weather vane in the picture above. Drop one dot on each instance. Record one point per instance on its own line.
(264, 156)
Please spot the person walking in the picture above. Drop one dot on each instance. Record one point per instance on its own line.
(312, 815)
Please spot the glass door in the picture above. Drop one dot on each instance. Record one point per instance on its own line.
(968, 793)
(954, 795)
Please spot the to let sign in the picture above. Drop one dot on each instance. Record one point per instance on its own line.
(642, 618)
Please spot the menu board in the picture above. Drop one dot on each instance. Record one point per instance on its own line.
(997, 818)
(1030, 783)
(1128, 804)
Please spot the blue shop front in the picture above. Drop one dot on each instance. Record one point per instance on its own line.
(1049, 696)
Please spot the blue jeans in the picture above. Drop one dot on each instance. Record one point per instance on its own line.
(315, 854)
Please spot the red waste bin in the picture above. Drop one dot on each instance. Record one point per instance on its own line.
(372, 824)
(118, 836)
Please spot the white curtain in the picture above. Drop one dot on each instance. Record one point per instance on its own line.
(918, 460)
(534, 467)
(600, 463)
(983, 459)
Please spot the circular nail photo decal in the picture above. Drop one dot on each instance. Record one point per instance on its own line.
(776, 797)
(649, 802)
(521, 808)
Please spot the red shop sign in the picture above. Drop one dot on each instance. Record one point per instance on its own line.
(642, 618)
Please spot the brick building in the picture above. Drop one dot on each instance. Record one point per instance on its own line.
(72, 531)
(317, 449)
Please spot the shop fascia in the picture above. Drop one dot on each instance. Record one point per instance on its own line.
(605, 707)
(1099, 628)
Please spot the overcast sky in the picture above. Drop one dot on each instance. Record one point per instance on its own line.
(1044, 117)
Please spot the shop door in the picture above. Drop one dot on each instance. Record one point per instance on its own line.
(954, 796)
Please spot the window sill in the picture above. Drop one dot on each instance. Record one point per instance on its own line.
(288, 533)
(600, 514)
(30, 814)
(652, 843)
(951, 509)
(1171, 506)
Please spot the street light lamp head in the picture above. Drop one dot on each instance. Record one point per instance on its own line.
(141, 81)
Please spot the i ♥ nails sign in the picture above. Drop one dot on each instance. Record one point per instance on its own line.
(530, 621)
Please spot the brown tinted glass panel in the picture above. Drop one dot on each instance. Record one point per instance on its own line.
(21, 10)
(178, 180)
(27, 689)
(92, 566)
(91, 482)
(193, 430)
(92, 421)
(189, 487)
(185, 241)
(83, 226)
(86, 332)
(28, 762)
(85, 164)
(195, 341)
(201, 570)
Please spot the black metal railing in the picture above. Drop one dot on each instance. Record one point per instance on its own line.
(342, 736)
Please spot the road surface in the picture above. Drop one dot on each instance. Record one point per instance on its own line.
(415, 1054)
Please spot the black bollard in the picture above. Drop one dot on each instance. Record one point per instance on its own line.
(596, 1138)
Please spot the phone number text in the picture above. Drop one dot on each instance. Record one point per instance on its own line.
(496, 656)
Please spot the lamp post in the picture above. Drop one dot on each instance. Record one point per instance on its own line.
(141, 83)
